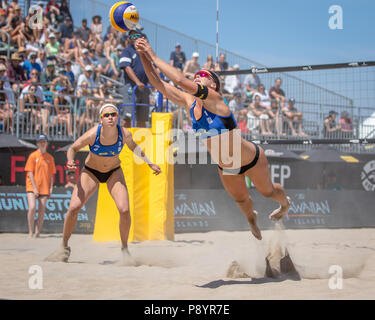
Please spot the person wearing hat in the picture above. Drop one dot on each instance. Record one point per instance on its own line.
(292, 116)
(114, 71)
(31, 63)
(331, 129)
(70, 179)
(192, 66)
(177, 58)
(135, 79)
(87, 76)
(49, 75)
(15, 71)
(66, 28)
(39, 168)
(53, 46)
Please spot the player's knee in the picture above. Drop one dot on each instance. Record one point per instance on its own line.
(124, 213)
(268, 193)
(242, 199)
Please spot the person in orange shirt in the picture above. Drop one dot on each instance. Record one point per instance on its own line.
(40, 168)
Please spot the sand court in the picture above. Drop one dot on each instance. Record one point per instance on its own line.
(213, 265)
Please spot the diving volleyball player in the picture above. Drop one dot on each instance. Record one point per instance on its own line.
(212, 118)
(102, 165)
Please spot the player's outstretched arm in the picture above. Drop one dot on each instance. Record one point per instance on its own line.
(133, 146)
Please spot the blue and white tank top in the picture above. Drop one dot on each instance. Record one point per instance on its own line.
(107, 151)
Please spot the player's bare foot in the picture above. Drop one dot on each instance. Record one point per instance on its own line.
(60, 255)
(280, 212)
(253, 226)
(127, 259)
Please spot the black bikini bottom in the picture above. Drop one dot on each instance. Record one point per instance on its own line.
(101, 176)
(244, 168)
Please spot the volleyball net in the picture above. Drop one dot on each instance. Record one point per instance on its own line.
(323, 104)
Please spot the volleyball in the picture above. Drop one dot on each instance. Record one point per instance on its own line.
(124, 16)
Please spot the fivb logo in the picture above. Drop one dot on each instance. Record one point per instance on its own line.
(336, 21)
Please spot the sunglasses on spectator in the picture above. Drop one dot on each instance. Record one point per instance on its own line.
(202, 74)
(135, 36)
(107, 115)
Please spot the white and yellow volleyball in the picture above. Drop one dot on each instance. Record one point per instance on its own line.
(124, 16)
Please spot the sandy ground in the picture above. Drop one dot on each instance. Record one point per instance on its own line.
(194, 266)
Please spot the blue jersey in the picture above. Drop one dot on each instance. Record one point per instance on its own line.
(211, 124)
(107, 151)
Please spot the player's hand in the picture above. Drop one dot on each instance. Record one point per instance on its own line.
(142, 45)
(155, 168)
(71, 165)
(36, 193)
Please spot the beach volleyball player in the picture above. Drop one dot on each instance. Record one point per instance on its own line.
(212, 118)
(102, 165)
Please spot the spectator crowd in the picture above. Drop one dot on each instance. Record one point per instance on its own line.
(58, 76)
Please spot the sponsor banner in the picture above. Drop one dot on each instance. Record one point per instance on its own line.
(210, 210)
(14, 207)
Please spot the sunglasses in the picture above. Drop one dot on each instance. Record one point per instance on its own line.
(203, 74)
(107, 115)
(135, 36)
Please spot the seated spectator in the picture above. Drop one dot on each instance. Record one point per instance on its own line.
(34, 78)
(66, 29)
(72, 47)
(104, 65)
(32, 45)
(265, 100)
(84, 59)
(277, 93)
(346, 125)
(49, 75)
(115, 71)
(4, 26)
(222, 65)
(104, 95)
(192, 66)
(252, 83)
(292, 116)
(62, 81)
(209, 64)
(97, 28)
(64, 10)
(261, 112)
(87, 76)
(177, 58)
(86, 109)
(236, 106)
(331, 129)
(34, 114)
(42, 59)
(15, 71)
(275, 121)
(68, 72)
(16, 28)
(53, 46)
(31, 63)
(63, 107)
(84, 32)
(53, 13)
(6, 110)
(232, 83)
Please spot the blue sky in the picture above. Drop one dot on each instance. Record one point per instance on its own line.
(273, 32)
